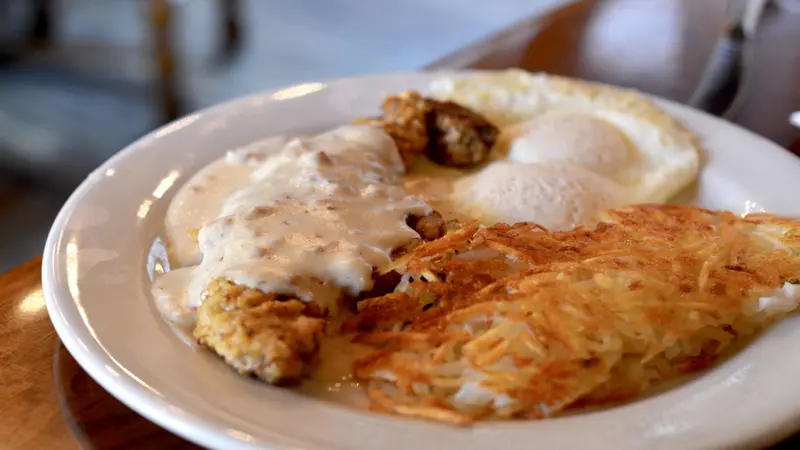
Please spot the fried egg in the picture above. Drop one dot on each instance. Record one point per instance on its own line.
(568, 149)
(555, 195)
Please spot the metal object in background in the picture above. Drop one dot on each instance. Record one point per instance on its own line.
(794, 119)
(721, 88)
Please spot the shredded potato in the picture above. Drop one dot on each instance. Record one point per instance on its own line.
(518, 321)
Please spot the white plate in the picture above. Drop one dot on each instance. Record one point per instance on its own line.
(96, 282)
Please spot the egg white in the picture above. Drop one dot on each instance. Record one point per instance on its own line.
(558, 129)
(555, 195)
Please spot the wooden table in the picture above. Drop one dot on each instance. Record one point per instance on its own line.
(658, 46)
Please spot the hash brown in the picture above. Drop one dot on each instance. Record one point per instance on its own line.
(517, 321)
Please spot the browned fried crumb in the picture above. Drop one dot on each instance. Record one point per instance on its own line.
(541, 321)
(459, 137)
(404, 118)
(258, 334)
(429, 227)
(383, 284)
(448, 133)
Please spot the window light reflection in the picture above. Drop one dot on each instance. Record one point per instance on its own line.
(752, 207)
(72, 268)
(166, 183)
(239, 435)
(298, 91)
(111, 370)
(144, 208)
(33, 303)
(177, 125)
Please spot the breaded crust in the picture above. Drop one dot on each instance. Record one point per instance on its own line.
(258, 334)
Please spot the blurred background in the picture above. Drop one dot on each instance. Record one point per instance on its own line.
(80, 79)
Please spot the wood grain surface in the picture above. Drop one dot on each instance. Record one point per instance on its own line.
(658, 46)
(47, 400)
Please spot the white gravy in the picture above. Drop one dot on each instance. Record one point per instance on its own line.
(308, 217)
(200, 200)
(333, 377)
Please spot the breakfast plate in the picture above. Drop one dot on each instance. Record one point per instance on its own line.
(108, 244)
